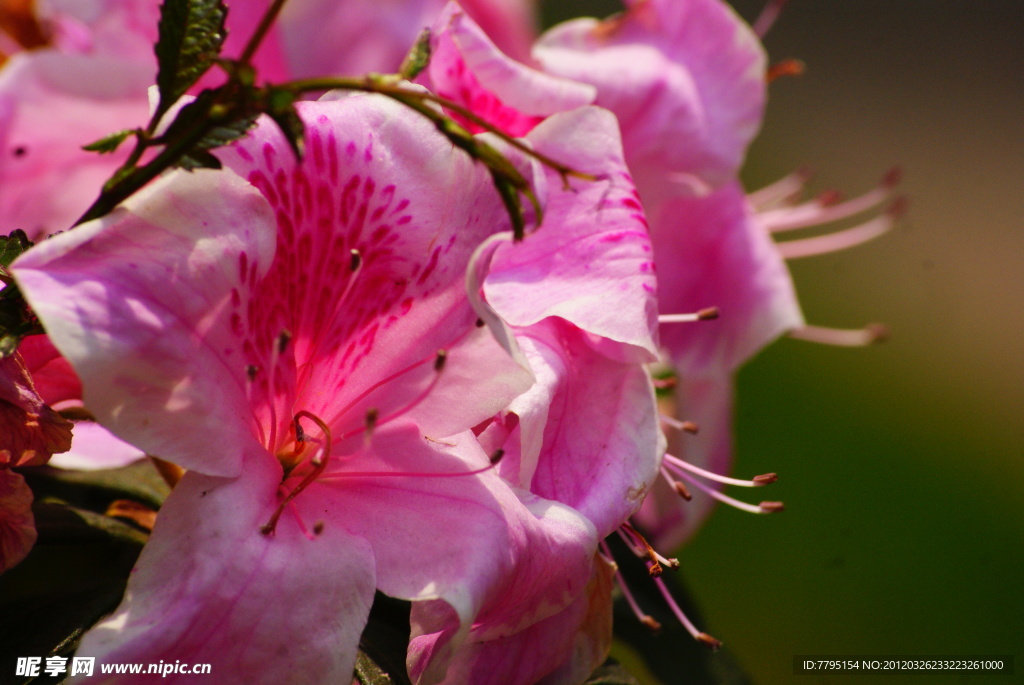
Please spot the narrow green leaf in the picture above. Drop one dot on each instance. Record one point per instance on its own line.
(195, 118)
(109, 143)
(191, 36)
(418, 58)
(287, 119)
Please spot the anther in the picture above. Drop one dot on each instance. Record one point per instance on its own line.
(283, 339)
(706, 314)
(479, 323)
(370, 422)
(771, 507)
(440, 359)
(655, 560)
(787, 67)
(250, 372)
(681, 490)
(318, 527)
(355, 260)
(711, 642)
(649, 621)
(496, 456)
(765, 479)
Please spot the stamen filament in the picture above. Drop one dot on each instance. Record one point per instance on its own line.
(341, 475)
(841, 240)
(762, 508)
(640, 614)
(643, 548)
(685, 426)
(319, 463)
(725, 480)
(676, 485)
(702, 315)
(782, 190)
(819, 211)
(841, 337)
(690, 628)
(767, 18)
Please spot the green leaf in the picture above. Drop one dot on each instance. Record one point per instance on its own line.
(12, 246)
(611, 673)
(96, 489)
(288, 120)
(196, 117)
(384, 643)
(418, 58)
(109, 143)
(191, 36)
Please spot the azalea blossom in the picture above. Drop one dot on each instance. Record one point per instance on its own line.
(278, 336)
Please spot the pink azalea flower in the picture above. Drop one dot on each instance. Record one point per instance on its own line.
(278, 337)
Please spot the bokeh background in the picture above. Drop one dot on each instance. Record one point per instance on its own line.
(901, 465)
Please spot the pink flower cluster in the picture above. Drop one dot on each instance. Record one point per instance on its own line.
(371, 385)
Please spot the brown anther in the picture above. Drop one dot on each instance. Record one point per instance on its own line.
(708, 314)
(892, 177)
(370, 421)
(711, 642)
(898, 208)
(765, 479)
(300, 435)
(496, 456)
(319, 463)
(654, 568)
(318, 527)
(691, 427)
(479, 323)
(650, 622)
(771, 507)
(283, 339)
(250, 372)
(879, 332)
(828, 198)
(681, 490)
(787, 67)
(440, 359)
(355, 260)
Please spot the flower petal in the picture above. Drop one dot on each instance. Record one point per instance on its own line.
(685, 79)
(590, 260)
(711, 252)
(139, 303)
(17, 525)
(210, 588)
(30, 430)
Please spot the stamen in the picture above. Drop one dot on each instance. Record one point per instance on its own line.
(787, 67)
(703, 315)
(319, 463)
(655, 559)
(439, 363)
(342, 475)
(318, 528)
(825, 210)
(676, 485)
(355, 265)
(841, 240)
(762, 508)
(250, 377)
(698, 635)
(496, 456)
(685, 426)
(641, 616)
(355, 260)
(757, 482)
(783, 190)
(857, 337)
(767, 18)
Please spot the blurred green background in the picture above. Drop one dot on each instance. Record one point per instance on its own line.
(901, 465)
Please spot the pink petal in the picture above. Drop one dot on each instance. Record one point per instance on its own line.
(440, 532)
(563, 648)
(380, 180)
(17, 525)
(210, 588)
(711, 252)
(468, 68)
(139, 303)
(590, 261)
(50, 106)
(685, 79)
(94, 447)
(601, 440)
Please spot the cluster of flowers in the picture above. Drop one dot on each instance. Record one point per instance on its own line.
(370, 383)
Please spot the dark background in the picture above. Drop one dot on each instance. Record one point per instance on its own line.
(901, 464)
